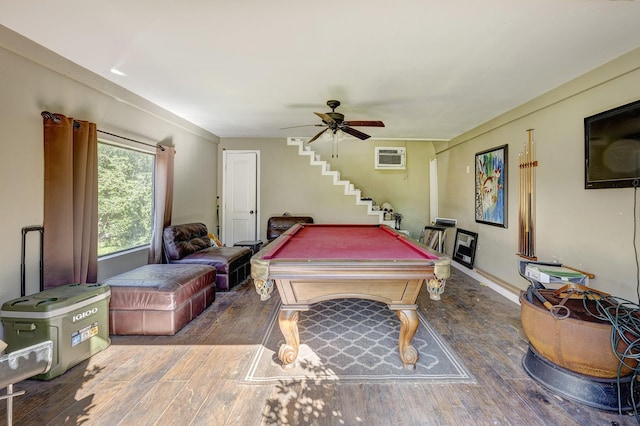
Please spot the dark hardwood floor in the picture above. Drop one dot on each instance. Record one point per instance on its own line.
(195, 377)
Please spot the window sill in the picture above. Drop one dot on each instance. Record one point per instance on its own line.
(117, 263)
(129, 252)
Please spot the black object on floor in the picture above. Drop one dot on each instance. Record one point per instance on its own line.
(608, 394)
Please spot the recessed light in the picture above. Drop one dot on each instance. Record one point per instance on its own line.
(117, 72)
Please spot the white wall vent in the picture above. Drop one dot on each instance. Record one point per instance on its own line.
(393, 158)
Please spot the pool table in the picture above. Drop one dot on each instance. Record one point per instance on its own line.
(311, 263)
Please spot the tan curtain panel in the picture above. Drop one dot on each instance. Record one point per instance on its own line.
(70, 201)
(162, 200)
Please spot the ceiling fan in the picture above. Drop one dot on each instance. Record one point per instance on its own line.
(334, 121)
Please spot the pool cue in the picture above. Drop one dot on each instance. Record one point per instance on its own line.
(523, 201)
(529, 195)
(520, 192)
(532, 192)
(527, 205)
(528, 198)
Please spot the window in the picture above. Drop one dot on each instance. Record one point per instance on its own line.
(125, 198)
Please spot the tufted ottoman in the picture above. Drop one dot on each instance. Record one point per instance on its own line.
(159, 299)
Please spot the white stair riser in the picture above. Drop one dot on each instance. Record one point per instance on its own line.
(349, 189)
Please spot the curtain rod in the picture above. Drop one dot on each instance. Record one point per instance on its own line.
(131, 140)
(50, 116)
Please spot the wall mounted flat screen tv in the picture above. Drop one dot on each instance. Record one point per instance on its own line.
(612, 148)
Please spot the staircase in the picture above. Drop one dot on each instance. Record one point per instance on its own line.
(325, 169)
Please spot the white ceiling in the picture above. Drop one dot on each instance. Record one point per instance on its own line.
(246, 68)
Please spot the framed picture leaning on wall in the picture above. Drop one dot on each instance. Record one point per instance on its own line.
(491, 186)
(464, 249)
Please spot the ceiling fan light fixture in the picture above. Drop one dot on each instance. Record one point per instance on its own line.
(334, 121)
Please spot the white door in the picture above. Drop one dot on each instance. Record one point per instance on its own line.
(433, 189)
(240, 196)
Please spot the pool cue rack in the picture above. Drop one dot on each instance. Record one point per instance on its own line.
(526, 214)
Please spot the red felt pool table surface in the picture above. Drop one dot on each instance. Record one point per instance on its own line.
(333, 242)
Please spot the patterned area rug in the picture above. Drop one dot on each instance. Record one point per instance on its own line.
(355, 340)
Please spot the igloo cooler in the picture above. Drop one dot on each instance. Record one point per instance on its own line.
(74, 316)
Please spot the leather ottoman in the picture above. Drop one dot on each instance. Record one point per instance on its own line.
(232, 264)
(159, 299)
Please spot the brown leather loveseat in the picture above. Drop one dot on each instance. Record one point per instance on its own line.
(277, 225)
(190, 243)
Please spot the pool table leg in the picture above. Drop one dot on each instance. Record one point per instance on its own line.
(408, 327)
(288, 322)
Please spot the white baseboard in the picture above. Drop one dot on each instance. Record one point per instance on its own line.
(483, 280)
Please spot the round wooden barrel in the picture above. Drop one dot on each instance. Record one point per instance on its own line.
(580, 342)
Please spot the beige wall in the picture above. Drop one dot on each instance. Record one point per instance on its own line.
(591, 230)
(290, 184)
(406, 190)
(26, 89)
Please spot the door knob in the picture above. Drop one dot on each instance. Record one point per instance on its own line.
(251, 212)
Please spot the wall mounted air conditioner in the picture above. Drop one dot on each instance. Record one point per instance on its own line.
(391, 158)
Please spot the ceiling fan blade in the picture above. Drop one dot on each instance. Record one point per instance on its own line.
(302, 125)
(317, 136)
(364, 123)
(353, 132)
(325, 117)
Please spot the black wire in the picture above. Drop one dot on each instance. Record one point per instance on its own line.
(624, 317)
(636, 183)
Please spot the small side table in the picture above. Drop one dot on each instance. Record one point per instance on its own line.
(253, 245)
(434, 236)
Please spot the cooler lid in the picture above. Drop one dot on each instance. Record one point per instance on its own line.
(56, 300)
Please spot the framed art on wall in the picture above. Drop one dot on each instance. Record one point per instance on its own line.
(491, 186)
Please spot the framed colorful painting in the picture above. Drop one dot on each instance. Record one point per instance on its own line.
(491, 186)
